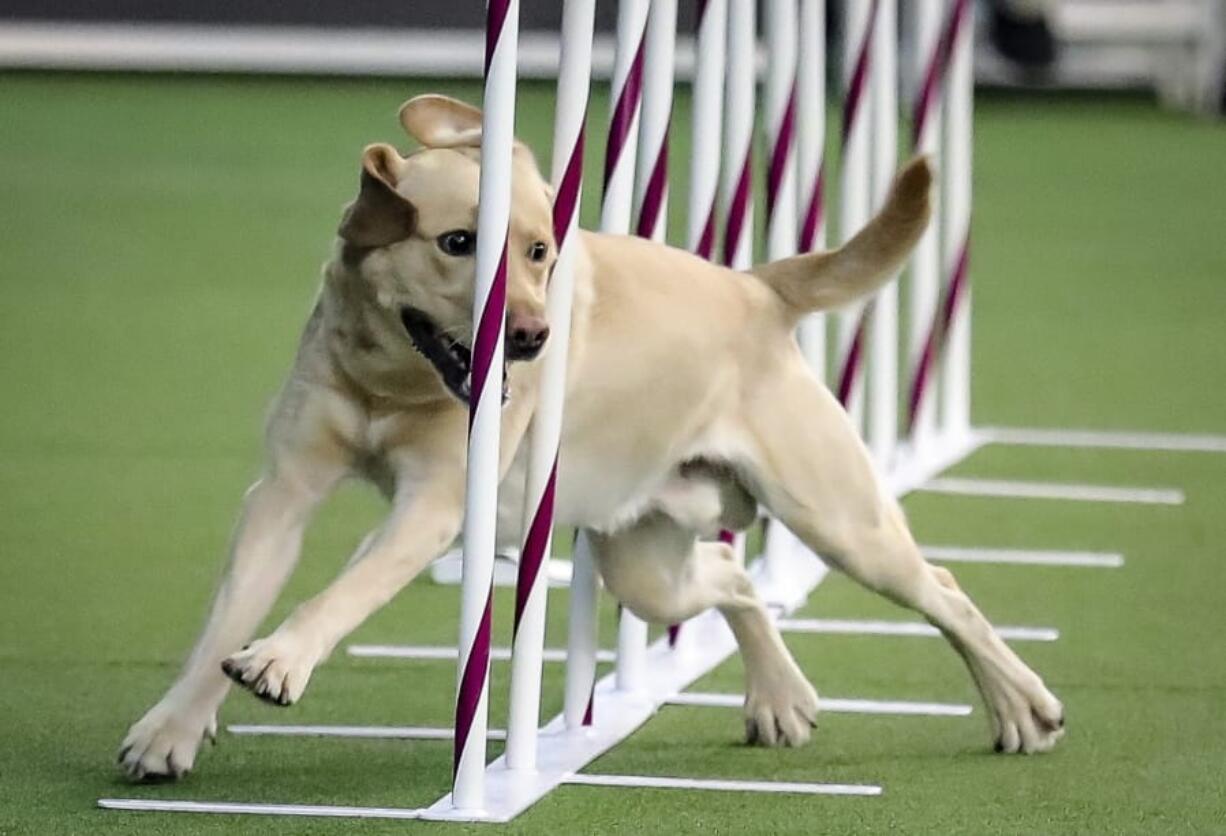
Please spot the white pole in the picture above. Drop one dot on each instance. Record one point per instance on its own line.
(924, 284)
(780, 102)
(738, 136)
(854, 189)
(581, 643)
(626, 97)
(651, 175)
(706, 119)
(956, 358)
(574, 78)
(485, 405)
(810, 160)
(883, 361)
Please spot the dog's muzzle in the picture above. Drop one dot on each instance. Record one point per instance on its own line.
(450, 358)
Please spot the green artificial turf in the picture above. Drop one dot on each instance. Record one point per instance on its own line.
(161, 244)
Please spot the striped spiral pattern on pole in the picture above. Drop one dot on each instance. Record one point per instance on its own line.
(485, 403)
(925, 119)
(854, 118)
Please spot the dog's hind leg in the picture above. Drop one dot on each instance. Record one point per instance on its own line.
(265, 548)
(662, 572)
(810, 469)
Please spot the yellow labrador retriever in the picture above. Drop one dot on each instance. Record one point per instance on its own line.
(688, 404)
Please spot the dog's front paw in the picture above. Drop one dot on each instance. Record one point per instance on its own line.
(1026, 717)
(780, 710)
(163, 744)
(275, 669)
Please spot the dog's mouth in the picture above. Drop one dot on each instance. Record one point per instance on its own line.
(450, 358)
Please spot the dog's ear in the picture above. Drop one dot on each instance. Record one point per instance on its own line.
(379, 216)
(441, 122)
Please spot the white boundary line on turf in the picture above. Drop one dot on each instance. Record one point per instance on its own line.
(366, 732)
(1006, 488)
(868, 627)
(444, 653)
(1025, 557)
(147, 805)
(720, 785)
(836, 705)
(1055, 437)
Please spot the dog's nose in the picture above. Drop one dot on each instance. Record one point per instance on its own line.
(526, 336)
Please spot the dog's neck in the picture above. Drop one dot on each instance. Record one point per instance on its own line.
(367, 347)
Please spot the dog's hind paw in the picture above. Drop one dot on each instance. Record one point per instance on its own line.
(162, 745)
(275, 669)
(1026, 717)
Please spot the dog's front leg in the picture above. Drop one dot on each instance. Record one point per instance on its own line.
(264, 551)
(421, 525)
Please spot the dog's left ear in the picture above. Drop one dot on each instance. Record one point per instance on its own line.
(441, 122)
(380, 215)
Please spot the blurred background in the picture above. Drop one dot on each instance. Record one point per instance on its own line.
(1174, 48)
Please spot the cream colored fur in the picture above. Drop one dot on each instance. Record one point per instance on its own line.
(688, 404)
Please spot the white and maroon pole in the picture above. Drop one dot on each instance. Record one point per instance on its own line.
(810, 160)
(531, 591)
(651, 175)
(737, 188)
(780, 103)
(738, 136)
(883, 329)
(627, 93)
(854, 190)
(485, 404)
(956, 356)
(706, 119)
(924, 283)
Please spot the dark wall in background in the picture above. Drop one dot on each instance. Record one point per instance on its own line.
(331, 13)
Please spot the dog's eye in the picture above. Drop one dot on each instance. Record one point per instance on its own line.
(538, 251)
(458, 242)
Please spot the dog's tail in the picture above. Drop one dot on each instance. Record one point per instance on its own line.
(823, 280)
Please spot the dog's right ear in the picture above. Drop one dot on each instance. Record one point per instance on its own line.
(379, 216)
(441, 122)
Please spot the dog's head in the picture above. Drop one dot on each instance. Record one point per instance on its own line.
(412, 231)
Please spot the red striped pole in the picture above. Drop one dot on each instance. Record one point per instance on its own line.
(531, 591)
(620, 155)
(956, 354)
(706, 122)
(882, 380)
(860, 18)
(738, 136)
(810, 159)
(781, 40)
(485, 404)
(929, 57)
(920, 401)
(651, 176)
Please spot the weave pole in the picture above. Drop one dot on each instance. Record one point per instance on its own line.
(929, 56)
(854, 191)
(810, 160)
(485, 405)
(651, 173)
(615, 212)
(738, 136)
(956, 356)
(706, 120)
(531, 592)
(780, 107)
(882, 431)
(737, 180)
